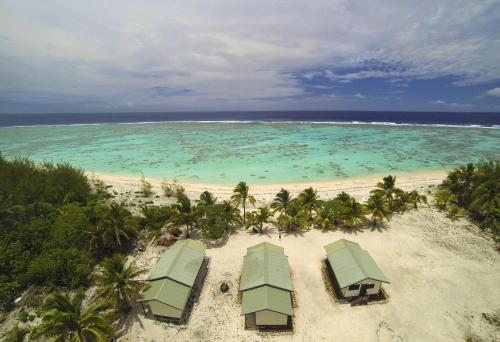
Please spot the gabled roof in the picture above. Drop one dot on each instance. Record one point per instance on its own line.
(266, 298)
(265, 264)
(351, 264)
(168, 292)
(180, 262)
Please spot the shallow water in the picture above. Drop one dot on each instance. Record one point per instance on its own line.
(257, 152)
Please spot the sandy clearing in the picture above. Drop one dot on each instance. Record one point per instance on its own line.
(443, 276)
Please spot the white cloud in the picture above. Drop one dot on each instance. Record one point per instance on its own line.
(450, 104)
(493, 92)
(231, 54)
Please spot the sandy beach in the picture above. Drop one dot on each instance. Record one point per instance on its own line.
(444, 275)
(357, 187)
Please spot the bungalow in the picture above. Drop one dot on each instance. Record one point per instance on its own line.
(179, 271)
(266, 286)
(355, 271)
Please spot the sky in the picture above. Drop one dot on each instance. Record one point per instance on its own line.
(132, 56)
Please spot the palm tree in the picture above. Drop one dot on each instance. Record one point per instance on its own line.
(352, 213)
(95, 230)
(281, 201)
(240, 197)
(118, 282)
(325, 218)
(309, 200)
(185, 213)
(65, 319)
(206, 199)
(387, 189)
(16, 334)
(294, 217)
(259, 218)
(459, 181)
(486, 201)
(415, 198)
(119, 226)
(230, 215)
(378, 209)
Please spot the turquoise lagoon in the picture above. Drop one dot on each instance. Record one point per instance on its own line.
(257, 152)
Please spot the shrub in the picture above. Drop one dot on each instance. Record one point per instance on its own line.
(146, 187)
(172, 189)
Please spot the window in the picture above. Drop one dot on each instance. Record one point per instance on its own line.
(353, 287)
(369, 286)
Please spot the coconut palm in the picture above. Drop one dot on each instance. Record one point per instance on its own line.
(387, 188)
(95, 230)
(206, 199)
(459, 181)
(119, 227)
(118, 282)
(378, 209)
(241, 196)
(185, 213)
(64, 318)
(352, 213)
(281, 201)
(486, 201)
(259, 218)
(415, 198)
(15, 334)
(310, 201)
(230, 215)
(325, 218)
(293, 218)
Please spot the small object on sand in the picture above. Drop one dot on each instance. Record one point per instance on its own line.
(280, 236)
(224, 287)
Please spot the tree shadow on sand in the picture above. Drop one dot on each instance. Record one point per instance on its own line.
(354, 230)
(379, 227)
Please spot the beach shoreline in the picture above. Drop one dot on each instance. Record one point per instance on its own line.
(359, 187)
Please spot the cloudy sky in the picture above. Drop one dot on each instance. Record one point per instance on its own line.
(107, 56)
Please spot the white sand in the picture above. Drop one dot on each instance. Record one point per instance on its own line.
(443, 276)
(126, 186)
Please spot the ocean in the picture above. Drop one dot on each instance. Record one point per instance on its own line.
(257, 147)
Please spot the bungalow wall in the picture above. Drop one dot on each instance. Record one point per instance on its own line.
(355, 289)
(161, 309)
(268, 317)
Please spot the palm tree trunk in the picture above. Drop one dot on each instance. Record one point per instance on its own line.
(244, 213)
(188, 234)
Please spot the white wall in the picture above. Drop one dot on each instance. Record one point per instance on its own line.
(161, 309)
(268, 317)
(375, 290)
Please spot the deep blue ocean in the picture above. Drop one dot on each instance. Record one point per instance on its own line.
(426, 118)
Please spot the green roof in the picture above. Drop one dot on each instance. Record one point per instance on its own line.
(351, 264)
(265, 264)
(167, 291)
(266, 298)
(180, 262)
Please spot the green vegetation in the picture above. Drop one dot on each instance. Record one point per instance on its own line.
(117, 282)
(16, 334)
(56, 226)
(41, 216)
(241, 196)
(171, 189)
(64, 318)
(473, 190)
(146, 188)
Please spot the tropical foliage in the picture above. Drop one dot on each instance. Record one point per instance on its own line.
(118, 282)
(241, 197)
(64, 318)
(472, 190)
(54, 227)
